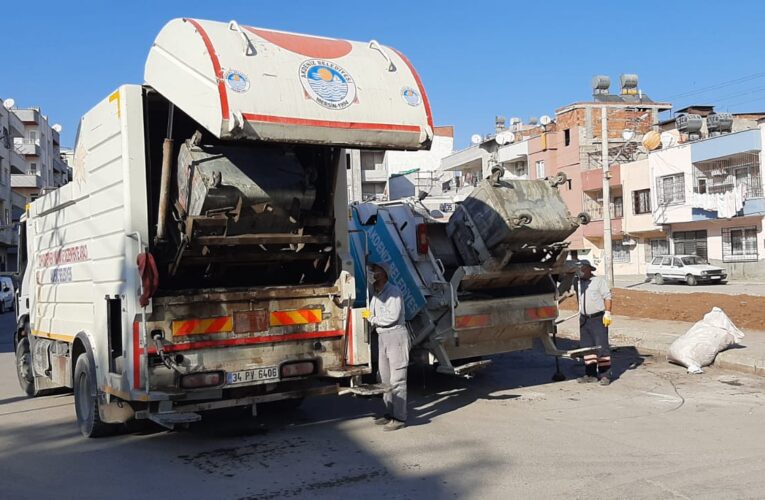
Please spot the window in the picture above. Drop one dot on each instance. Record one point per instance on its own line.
(540, 169)
(567, 137)
(676, 262)
(372, 160)
(618, 210)
(690, 243)
(32, 135)
(739, 244)
(671, 189)
(701, 185)
(620, 252)
(641, 202)
(33, 168)
(656, 261)
(666, 261)
(658, 247)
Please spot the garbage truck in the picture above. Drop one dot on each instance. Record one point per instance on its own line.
(200, 257)
(483, 281)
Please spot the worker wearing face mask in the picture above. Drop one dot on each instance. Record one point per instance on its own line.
(386, 314)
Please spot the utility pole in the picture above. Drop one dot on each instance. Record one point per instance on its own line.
(608, 267)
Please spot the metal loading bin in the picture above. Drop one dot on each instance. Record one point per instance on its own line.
(504, 221)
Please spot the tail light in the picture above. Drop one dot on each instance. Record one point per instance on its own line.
(299, 369)
(422, 238)
(542, 313)
(204, 379)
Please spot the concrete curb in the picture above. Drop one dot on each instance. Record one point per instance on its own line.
(735, 359)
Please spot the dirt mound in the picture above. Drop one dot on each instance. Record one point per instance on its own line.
(746, 311)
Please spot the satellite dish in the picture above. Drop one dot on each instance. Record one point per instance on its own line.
(505, 137)
(9, 103)
(667, 140)
(475, 139)
(545, 120)
(57, 127)
(628, 134)
(651, 140)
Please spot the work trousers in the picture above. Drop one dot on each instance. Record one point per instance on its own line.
(393, 360)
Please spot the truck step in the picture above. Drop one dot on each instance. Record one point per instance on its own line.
(349, 371)
(465, 370)
(365, 390)
(170, 420)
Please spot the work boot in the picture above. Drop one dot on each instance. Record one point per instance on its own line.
(605, 381)
(382, 420)
(394, 425)
(587, 379)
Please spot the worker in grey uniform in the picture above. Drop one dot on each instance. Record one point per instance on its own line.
(594, 296)
(387, 315)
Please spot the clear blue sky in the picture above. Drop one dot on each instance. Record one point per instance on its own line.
(476, 59)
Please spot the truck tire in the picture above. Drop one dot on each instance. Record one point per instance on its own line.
(658, 279)
(691, 280)
(85, 400)
(24, 367)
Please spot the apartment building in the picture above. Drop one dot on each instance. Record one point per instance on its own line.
(571, 143)
(369, 170)
(30, 161)
(706, 190)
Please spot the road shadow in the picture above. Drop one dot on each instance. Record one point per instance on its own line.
(322, 450)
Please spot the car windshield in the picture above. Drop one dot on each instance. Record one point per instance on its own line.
(693, 259)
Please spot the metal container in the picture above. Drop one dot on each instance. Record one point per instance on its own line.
(510, 216)
(261, 190)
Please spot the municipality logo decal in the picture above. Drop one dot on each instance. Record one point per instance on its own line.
(328, 84)
(411, 96)
(237, 81)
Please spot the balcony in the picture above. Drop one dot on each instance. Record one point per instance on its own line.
(60, 165)
(594, 230)
(592, 180)
(377, 175)
(27, 147)
(18, 165)
(28, 116)
(28, 181)
(16, 125)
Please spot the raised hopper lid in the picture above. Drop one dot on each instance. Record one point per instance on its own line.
(239, 81)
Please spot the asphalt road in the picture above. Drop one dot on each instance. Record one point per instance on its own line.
(509, 433)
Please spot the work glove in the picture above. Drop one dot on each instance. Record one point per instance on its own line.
(366, 314)
(607, 319)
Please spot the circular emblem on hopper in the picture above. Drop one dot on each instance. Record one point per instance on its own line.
(236, 81)
(411, 96)
(327, 83)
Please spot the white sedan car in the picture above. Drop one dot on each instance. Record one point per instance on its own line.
(691, 269)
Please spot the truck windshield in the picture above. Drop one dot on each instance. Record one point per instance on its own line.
(693, 259)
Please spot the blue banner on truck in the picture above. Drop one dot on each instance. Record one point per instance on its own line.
(382, 248)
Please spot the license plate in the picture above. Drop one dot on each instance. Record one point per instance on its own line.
(716, 277)
(253, 375)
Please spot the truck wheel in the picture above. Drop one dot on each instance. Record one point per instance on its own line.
(658, 279)
(691, 280)
(85, 400)
(24, 367)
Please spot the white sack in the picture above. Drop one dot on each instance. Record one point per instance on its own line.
(698, 346)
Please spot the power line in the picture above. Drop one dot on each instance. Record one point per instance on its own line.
(720, 85)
